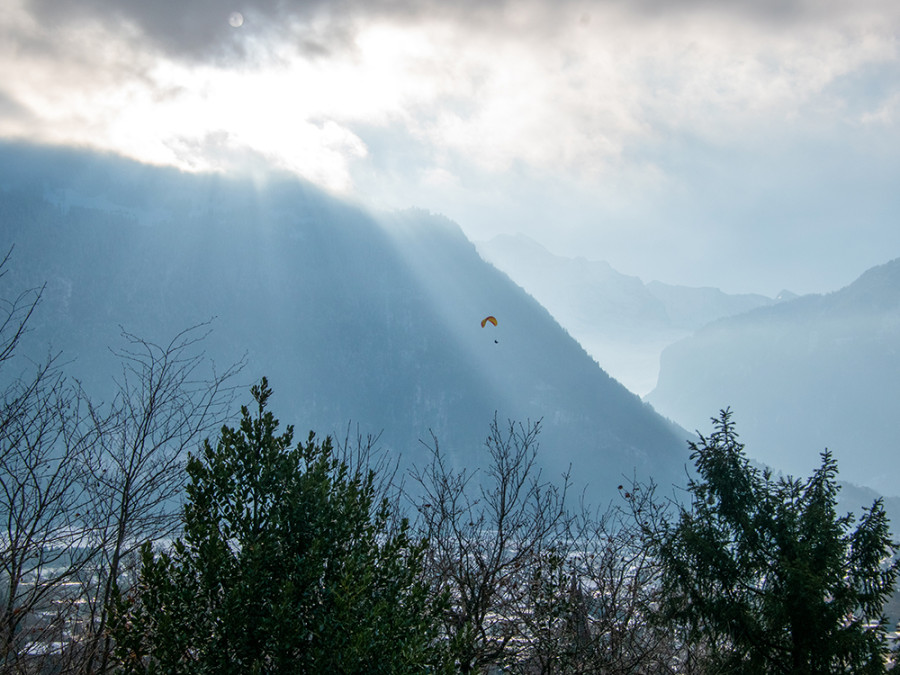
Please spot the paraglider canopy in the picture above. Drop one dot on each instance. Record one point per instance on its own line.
(488, 319)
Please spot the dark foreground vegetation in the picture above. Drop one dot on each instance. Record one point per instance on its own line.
(148, 535)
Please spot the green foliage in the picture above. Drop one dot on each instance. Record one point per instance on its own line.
(289, 563)
(764, 576)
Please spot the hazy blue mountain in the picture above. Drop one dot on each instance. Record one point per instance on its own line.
(621, 321)
(814, 372)
(691, 308)
(354, 319)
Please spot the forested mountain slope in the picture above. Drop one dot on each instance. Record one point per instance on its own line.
(815, 372)
(373, 322)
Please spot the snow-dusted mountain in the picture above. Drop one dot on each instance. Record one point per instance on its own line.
(814, 372)
(621, 321)
(354, 319)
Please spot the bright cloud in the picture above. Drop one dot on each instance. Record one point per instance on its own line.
(507, 91)
(611, 106)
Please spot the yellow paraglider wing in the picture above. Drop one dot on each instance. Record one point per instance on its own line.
(487, 319)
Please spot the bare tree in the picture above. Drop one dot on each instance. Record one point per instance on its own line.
(593, 605)
(45, 542)
(533, 586)
(14, 321)
(615, 577)
(165, 406)
(589, 605)
(485, 541)
(83, 484)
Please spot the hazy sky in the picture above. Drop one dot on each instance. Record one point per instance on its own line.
(749, 144)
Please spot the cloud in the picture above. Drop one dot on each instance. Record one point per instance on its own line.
(10, 108)
(567, 84)
(191, 29)
(200, 29)
(621, 108)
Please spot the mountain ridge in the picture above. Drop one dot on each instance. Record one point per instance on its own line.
(353, 318)
(809, 373)
(621, 321)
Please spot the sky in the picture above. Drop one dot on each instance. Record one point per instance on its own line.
(752, 145)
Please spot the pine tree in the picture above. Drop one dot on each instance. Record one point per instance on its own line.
(288, 563)
(763, 575)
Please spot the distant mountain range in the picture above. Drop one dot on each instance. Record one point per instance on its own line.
(359, 320)
(621, 321)
(816, 372)
(800, 373)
